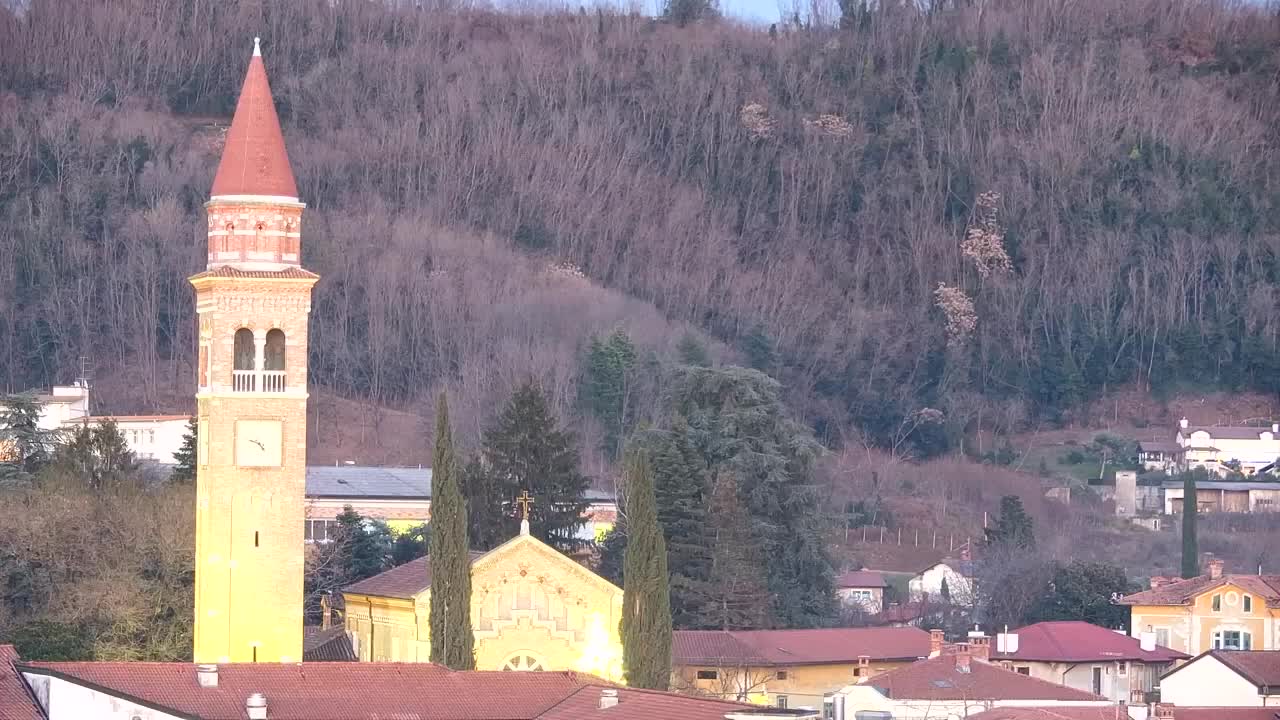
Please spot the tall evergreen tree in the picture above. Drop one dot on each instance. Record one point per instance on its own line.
(1190, 543)
(737, 423)
(646, 607)
(608, 384)
(185, 458)
(452, 639)
(1013, 528)
(680, 481)
(24, 446)
(737, 595)
(526, 451)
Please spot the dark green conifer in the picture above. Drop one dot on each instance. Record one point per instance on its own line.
(1190, 543)
(646, 609)
(185, 458)
(452, 639)
(680, 486)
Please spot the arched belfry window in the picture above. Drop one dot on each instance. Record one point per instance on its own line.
(244, 349)
(274, 359)
(243, 356)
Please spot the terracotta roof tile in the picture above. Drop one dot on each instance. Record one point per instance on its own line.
(403, 581)
(861, 579)
(1183, 592)
(375, 691)
(939, 679)
(1260, 667)
(16, 702)
(254, 160)
(226, 271)
(1078, 641)
(1104, 712)
(796, 647)
(330, 645)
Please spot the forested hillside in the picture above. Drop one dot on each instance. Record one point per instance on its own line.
(488, 191)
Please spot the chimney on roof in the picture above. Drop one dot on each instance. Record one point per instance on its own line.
(207, 675)
(1147, 641)
(608, 698)
(936, 638)
(1164, 711)
(326, 608)
(1275, 427)
(1214, 566)
(980, 646)
(1158, 581)
(1183, 423)
(963, 657)
(864, 661)
(256, 706)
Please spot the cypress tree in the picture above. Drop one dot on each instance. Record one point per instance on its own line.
(452, 639)
(646, 613)
(1190, 544)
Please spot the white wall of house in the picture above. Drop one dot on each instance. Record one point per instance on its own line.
(866, 698)
(64, 404)
(63, 700)
(870, 600)
(1207, 681)
(929, 583)
(1205, 450)
(1117, 680)
(155, 438)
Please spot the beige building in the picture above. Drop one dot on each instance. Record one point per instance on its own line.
(862, 590)
(1224, 496)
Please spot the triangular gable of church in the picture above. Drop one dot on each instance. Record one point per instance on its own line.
(545, 552)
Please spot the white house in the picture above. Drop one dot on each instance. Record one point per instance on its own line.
(1225, 678)
(951, 686)
(62, 405)
(1087, 657)
(149, 437)
(928, 584)
(1217, 448)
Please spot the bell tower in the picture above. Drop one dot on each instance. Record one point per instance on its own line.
(252, 300)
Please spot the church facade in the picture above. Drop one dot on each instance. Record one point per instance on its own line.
(252, 302)
(532, 608)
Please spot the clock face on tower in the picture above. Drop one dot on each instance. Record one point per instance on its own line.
(258, 443)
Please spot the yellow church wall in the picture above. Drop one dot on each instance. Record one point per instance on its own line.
(528, 601)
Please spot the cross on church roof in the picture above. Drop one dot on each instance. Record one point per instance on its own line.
(524, 500)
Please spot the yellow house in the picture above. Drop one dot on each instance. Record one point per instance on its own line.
(1214, 611)
(788, 668)
(532, 608)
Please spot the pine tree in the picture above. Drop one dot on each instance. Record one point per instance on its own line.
(646, 608)
(1190, 543)
(738, 424)
(98, 455)
(681, 490)
(24, 447)
(185, 457)
(737, 597)
(526, 451)
(607, 385)
(452, 639)
(362, 550)
(1013, 528)
(691, 351)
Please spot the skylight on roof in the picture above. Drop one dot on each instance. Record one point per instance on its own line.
(942, 683)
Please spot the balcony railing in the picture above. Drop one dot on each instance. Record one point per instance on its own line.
(273, 381)
(267, 381)
(244, 380)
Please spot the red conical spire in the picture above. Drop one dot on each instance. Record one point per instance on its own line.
(254, 161)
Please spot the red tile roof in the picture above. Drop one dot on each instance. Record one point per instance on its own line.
(940, 679)
(1078, 641)
(732, 648)
(226, 271)
(861, 579)
(375, 691)
(16, 702)
(254, 160)
(330, 645)
(1226, 713)
(1103, 712)
(1184, 592)
(403, 581)
(1259, 667)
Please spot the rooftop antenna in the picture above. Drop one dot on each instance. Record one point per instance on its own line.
(82, 382)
